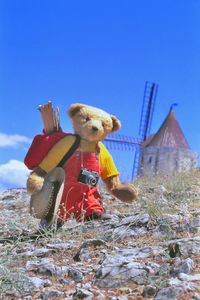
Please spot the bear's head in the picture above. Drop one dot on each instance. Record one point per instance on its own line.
(91, 123)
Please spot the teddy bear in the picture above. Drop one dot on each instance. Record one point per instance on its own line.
(90, 161)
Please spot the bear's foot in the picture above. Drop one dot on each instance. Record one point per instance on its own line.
(99, 216)
(126, 193)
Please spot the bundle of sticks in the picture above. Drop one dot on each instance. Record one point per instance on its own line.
(50, 118)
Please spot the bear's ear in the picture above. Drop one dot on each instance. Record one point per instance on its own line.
(74, 108)
(116, 124)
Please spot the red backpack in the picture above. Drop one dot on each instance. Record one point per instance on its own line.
(41, 145)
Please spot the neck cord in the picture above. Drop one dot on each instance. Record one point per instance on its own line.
(97, 156)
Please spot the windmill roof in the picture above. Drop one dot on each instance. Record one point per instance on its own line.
(147, 141)
(169, 134)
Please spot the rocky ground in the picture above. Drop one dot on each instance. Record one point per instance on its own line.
(148, 250)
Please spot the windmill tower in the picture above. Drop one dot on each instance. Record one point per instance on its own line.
(167, 151)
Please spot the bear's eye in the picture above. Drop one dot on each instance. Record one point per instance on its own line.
(87, 119)
(103, 124)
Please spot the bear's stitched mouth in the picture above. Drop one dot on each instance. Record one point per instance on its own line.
(95, 135)
(94, 131)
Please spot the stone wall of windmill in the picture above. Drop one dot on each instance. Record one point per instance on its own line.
(167, 151)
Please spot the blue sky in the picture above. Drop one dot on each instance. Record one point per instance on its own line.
(98, 53)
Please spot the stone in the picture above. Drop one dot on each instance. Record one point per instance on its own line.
(149, 291)
(24, 298)
(164, 228)
(75, 274)
(19, 282)
(187, 277)
(194, 225)
(94, 243)
(52, 294)
(117, 269)
(46, 266)
(8, 197)
(184, 266)
(169, 293)
(143, 252)
(64, 281)
(189, 286)
(124, 232)
(82, 294)
(170, 224)
(196, 221)
(82, 253)
(52, 270)
(38, 283)
(87, 285)
(169, 219)
(152, 267)
(111, 219)
(42, 252)
(164, 270)
(32, 265)
(134, 221)
(60, 246)
(100, 296)
(185, 247)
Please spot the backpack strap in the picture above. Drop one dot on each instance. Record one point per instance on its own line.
(71, 151)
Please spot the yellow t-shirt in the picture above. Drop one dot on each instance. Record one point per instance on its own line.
(58, 151)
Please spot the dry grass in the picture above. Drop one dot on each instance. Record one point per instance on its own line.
(169, 194)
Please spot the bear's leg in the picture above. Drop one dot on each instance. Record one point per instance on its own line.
(89, 204)
(99, 216)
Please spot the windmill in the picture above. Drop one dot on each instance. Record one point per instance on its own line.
(127, 143)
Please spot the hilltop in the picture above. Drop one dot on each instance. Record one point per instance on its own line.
(148, 250)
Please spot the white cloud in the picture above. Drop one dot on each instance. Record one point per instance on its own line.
(14, 140)
(13, 175)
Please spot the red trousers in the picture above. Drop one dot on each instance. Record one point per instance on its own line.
(78, 198)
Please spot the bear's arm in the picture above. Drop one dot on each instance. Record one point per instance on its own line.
(107, 163)
(56, 153)
(110, 176)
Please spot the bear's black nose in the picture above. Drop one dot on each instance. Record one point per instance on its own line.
(94, 128)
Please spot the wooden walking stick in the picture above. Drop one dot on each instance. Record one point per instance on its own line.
(51, 120)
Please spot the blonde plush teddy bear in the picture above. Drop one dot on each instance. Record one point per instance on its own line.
(82, 170)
